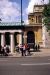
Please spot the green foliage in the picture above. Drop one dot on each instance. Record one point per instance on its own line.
(46, 14)
(46, 11)
(47, 22)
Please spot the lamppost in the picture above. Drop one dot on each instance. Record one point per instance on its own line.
(0, 20)
(21, 12)
(22, 22)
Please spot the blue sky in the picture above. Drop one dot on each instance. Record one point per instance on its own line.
(24, 6)
(10, 10)
(24, 2)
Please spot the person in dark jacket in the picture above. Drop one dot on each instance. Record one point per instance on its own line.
(38, 46)
(21, 49)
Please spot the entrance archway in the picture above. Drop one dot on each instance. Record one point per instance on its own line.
(7, 38)
(30, 37)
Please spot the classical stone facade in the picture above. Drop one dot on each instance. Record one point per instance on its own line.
(37, 27)
(34, 32)
(11, 38)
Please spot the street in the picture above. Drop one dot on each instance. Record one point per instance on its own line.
(25, 66)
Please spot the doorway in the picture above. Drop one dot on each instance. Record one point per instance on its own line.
(7, 38)
(31, 38)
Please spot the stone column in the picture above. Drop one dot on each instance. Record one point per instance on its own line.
(25, 38)
(20, 38)
(43, 34)
(12, 46)
(2, 39)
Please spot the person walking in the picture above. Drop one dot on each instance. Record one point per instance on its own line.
(28, 49)
(21, 49)
(5, 51)
(38, 47)
(24, 49)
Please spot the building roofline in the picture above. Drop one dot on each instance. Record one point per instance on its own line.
(31, 14)
(42, 5)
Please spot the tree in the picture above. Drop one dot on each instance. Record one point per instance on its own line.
(46, 15)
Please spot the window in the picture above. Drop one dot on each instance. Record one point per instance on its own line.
(32, 19)
(36, 19)
(39, 19)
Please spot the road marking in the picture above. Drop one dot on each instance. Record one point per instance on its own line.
(3, 60)
(38, 64)
(48, 59)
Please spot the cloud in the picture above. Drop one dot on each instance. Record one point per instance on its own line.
(29, 9)
(9, 11)
(33, 2)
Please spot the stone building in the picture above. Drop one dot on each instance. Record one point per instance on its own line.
(33, 33)
(35, 25)
(11, 33)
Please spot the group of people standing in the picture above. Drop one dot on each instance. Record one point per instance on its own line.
(25, 49)
(4, 50)
(36, 47)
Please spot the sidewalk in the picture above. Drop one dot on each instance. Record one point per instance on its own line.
(41, 53)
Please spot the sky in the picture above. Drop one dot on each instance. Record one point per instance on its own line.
(10, 10)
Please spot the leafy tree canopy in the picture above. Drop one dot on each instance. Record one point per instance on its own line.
(46, 14)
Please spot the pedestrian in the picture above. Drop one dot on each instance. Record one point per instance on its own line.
(5, 51)
(21, 49)
(24, 49)
(38, 47)
(0, 48)
(17, 48)
(28, 49)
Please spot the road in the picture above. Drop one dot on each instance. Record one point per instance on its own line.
(25, 66)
